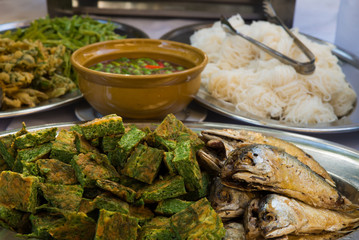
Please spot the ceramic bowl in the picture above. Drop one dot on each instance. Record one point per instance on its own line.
(139, 96)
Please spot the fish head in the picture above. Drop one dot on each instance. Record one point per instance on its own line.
(251, 164)
(228, 202)
(276, 216)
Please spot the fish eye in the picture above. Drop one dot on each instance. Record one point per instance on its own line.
(269, 217)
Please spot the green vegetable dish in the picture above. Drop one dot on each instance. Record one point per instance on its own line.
(106, 180)
(137, 66)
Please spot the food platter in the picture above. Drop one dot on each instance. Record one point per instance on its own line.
(121, 29)
(341, 162)
(348, 62)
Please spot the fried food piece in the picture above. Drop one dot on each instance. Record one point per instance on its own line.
(12, 219)
(203, 191)
(82, 145)
(56, 172)
(121, 191)
(198, 221)
(187, 166)
(25, 159)
(112, 225)
(169, 207)
(100, 127)
(109, 143)
(35, 138)
(126, 144)
(171, 131)
(170, 187)
(111, 203)
(143, 164)
(158, 228)
(92, 166)
(168, 160)
(66, 197)
(19, 192)
(142, 213)
(64, 147)
(66, 225)
(7, 152)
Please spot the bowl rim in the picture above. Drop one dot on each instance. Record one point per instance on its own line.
(156, 79)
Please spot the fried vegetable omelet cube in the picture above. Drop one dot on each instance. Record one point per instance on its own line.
(198, 221)
(144, 163)
(55, 171)
(66, 197)
(187, 166)
(26, 158)
(158, 228)
(121, 191)
(92, 166)
(125, 145)
(64, 147)
(171, 130)
(171, 206)
(18, 192)
(162, 189)
(116, 225)
(61, 224)
(100, 127)
(35, 138)
(12, 219)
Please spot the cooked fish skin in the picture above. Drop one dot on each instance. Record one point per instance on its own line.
(265, 167)
(250, 220)
(228, 202)
(279, 215)
(234, 231)
(232, 139)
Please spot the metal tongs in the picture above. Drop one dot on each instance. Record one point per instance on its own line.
(301, 67)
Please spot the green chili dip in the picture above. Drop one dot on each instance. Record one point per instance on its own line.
(137, 66)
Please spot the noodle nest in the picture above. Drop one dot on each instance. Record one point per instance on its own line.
(241, 73)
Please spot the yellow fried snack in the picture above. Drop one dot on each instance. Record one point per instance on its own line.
(31, 73)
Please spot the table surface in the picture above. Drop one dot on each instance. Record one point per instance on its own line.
(155, 28)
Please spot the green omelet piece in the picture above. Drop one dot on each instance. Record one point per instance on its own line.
(171, 131)
(66, 197)
(116, 225)
(171, 206)
(198, 221)
(109, 143)
(11, 219)
(56, 171)
(62, 224)
(187, 166)
(121, 191)
(26, 158)
(143, 164)
(18, 191)
(126, 144)
(158, 228)
(7, 152)
(35, 138)
(162, 189)
(90, 167)
(100, 127)
(111, 203)
(64, 147)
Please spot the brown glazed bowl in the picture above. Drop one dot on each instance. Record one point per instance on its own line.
(139, 96)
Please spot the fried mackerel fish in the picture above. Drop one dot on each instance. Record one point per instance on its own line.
(264, 183)
(102, 180)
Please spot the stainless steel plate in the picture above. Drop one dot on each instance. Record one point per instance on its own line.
(121, 29)
(348, 62)
(340, 161)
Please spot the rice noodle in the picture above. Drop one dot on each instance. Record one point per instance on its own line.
(241, 73)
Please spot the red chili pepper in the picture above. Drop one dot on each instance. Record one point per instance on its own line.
(160, 65)
(153, 66)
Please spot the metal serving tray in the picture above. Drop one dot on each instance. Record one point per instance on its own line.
(340, 161)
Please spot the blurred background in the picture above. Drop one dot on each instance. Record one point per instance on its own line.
(330, 20)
